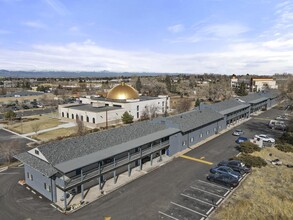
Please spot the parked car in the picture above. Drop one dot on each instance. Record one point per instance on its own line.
(241, 139)
(223, 179)
(238, 132)
(265, 138)
(236, 165)
(226, 170)
(282, 118)
(279, 125)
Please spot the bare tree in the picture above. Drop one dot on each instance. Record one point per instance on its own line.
(153, 111)
(8, 150)
(145, 114)
(36, 127)
(184, 105)
(81, 129)
(149, 112)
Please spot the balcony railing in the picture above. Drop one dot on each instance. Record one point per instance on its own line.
(96, 172)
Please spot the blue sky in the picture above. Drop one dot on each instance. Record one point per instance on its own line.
(191, 36)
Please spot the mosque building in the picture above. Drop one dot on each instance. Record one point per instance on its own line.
(97, 111)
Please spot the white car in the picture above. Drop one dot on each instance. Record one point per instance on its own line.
(238, 132)
(265, 138)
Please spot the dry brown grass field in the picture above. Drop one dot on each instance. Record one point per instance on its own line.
(43, 121)
(265, 194)
(53, 135)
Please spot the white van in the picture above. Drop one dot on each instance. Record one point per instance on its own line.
(275, 124)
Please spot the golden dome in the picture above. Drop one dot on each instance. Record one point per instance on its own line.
(122, 91)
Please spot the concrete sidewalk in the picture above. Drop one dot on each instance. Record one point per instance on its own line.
(66, 125)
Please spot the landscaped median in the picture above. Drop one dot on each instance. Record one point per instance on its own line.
(265, 194)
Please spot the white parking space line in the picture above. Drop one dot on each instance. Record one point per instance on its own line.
(169, 216)
(211, 209)
(215, 185)
(218, 201)
(206, 192)
(181, 206)
(197, 199)
(226, 193)
(202, 218)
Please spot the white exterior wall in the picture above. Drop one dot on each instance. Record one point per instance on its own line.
(261, 85)
(135, 108)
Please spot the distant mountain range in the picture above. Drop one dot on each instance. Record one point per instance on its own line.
(67, 74)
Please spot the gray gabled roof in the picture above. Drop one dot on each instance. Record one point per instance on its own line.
(36, 163)
(253, 98)
(195, 119)
(228, 106)
(272, 93)
(71, 148)
(88, 159)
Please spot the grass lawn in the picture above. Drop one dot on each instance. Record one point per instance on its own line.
(265, 194)
(52, 135)
(43, 122)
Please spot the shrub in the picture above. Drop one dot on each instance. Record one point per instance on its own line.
(285, 147)
(287, 137)
(248, 147)
(127, 118)
(9, 115)
(250, 160)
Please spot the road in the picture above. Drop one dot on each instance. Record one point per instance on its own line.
(142, 198)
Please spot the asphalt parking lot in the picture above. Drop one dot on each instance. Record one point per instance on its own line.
(177, 187)
(197, 201)
(20, 143)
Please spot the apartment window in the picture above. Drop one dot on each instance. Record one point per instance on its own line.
(28, 175)
(163, 103)
(215, 129)
(87, 119)
(191, 140)
(137, 115)
(67, 115)
(81, 117)
(183, 143)
(137, 108)
(62, 114)
(200, 135)
(37, 152)
(47, 187)
(208, 132)
(220, 126)
(94, 120)
(72, 116)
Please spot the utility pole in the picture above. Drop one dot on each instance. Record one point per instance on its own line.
(106, 118)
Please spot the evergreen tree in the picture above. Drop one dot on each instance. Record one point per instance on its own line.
(168, 83)
(241, 91)
(138, 84)
(127, 118)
